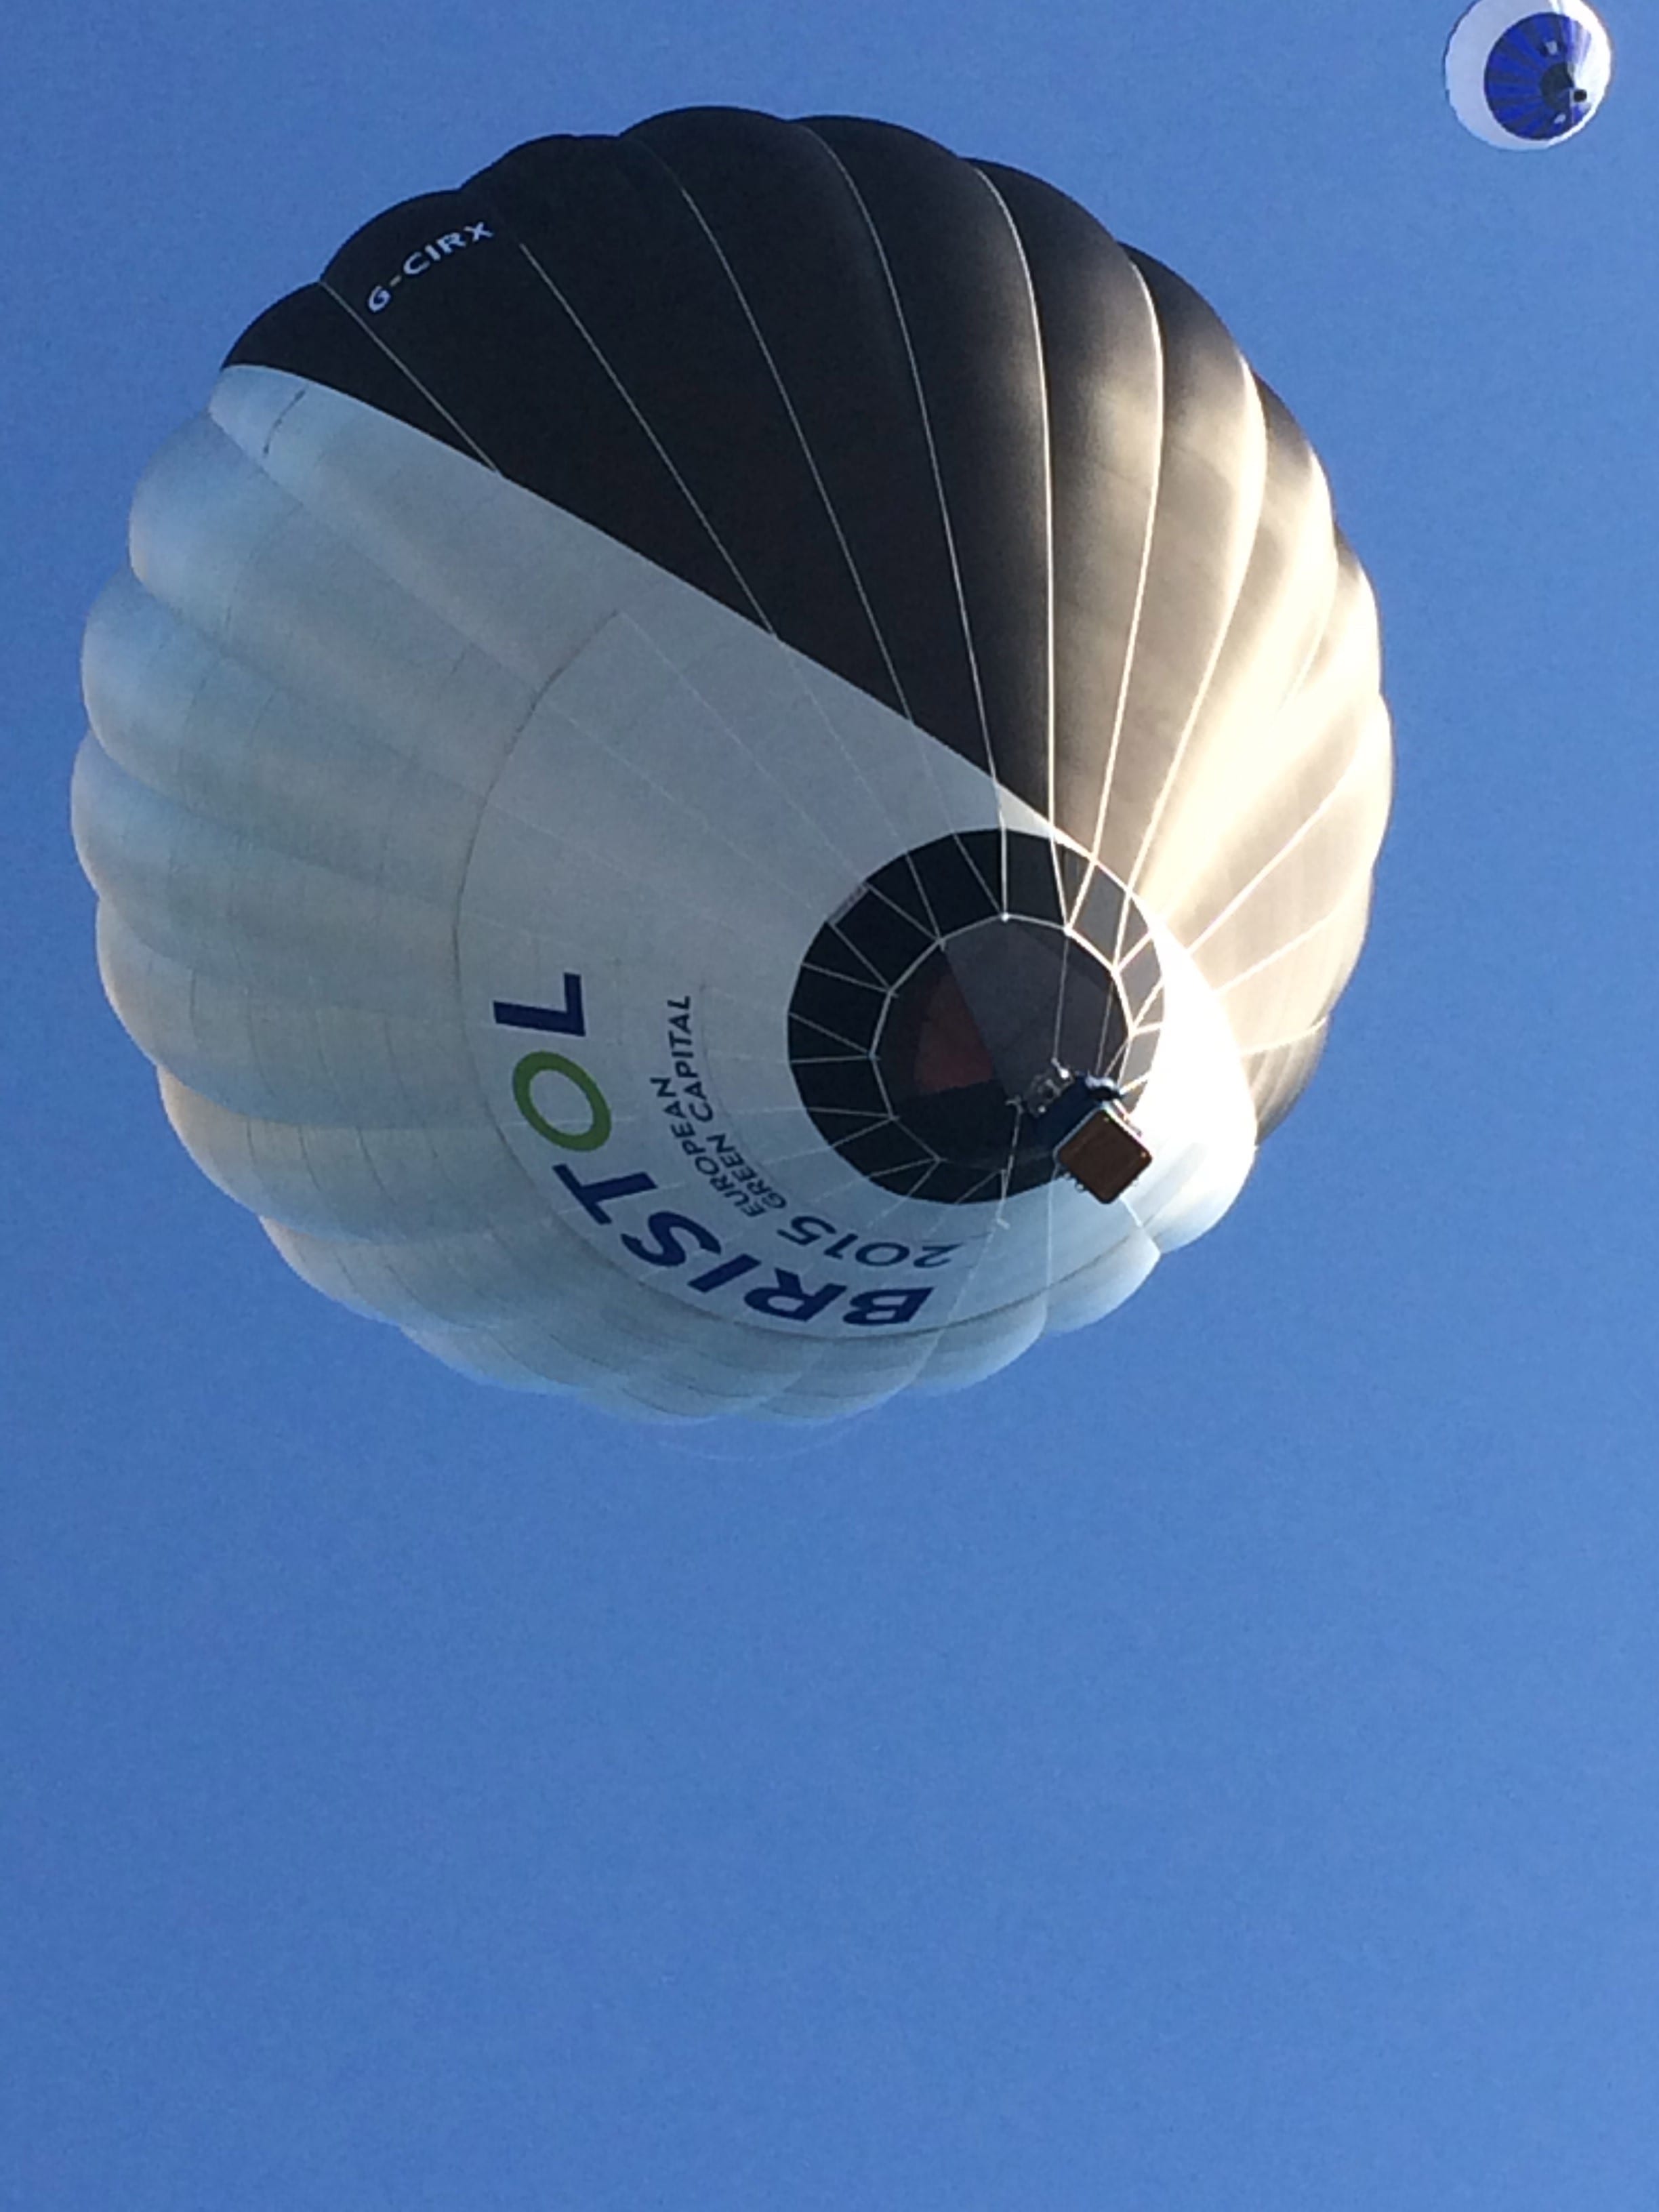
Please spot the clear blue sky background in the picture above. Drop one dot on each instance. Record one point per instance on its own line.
(1213, 1767)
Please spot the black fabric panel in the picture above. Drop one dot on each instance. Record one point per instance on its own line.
(885, 939)
(772, 358)
(502, 350)
(801, 254)
(609, 222)
(965, 297)
(1031, 883)
(313, 334)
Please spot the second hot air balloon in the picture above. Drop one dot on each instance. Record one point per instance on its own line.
(1526, 80)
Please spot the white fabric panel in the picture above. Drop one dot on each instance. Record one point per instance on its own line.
(1195, 1114)
(481, 1359)
(229, 745)
(974, 1350)
(1278, 624)
(394, 1184)
(225, 902)
(470, 1279)
(1267, 997)
(215, 541)
(1334, 730)
(1103, 1286)
(525, 587)
(281, 1059)
(380, 739)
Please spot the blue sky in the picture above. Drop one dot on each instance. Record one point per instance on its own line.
(1213, 1764)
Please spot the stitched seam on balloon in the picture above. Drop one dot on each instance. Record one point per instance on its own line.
(1286, 1044)
(889, 279)
(342, 530)
(302, 386)
(632, 765)
(775, 375)
(1047, 508)
(1319, 641)
(923, 750)
(1323, 762)
(1332, 914)
(1121, 710)
(926, 754)
(402, 367)
(656, 445)
(1155, 819)
(1357, 759)
(281, 688)
(756, 760)
(760, 614)
(1050, 702)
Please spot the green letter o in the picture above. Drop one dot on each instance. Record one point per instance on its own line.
(554, 1063)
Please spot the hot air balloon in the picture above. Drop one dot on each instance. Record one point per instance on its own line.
(737, 767)
(1527, 81)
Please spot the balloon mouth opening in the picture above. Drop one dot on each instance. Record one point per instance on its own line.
(1557, 88)
(966, 1064)
(973, 1039)
(997, 1050)
(1540, 80)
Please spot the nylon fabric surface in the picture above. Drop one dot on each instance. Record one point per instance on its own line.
(609, 573)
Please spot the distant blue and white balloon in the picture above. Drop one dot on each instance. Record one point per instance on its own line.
(1527, 81)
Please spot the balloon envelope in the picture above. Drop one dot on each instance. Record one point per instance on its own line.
(737, 767)
(1527, 81)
